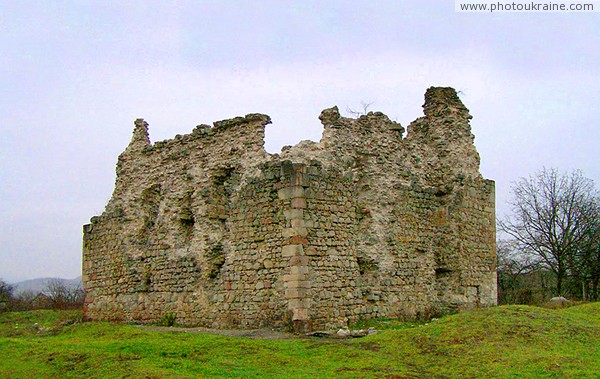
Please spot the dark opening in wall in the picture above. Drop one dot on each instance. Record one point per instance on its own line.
(216, 260)
(146, 282)
(221, 189)
(222, 176)
(442, 271)
(150, 200)
(187, 221)
(365, 264)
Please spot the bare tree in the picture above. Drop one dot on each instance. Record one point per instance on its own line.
(365, 109)
(24, 300)
(553, 218)
(516, 274)
(585, 262)
(62, 296)
(6, 295)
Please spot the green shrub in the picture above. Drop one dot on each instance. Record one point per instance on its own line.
(168, 319)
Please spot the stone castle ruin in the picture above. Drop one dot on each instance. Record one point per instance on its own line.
(211, 229)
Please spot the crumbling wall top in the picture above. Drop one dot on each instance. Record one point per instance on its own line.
(262, 119)
(437, 147)
(441, 101)
(140, 138)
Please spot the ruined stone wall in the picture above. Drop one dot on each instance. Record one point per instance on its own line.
(366, 223)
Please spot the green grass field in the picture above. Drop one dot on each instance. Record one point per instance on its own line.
(501, 342)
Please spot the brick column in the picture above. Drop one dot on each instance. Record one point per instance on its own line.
(295, 234)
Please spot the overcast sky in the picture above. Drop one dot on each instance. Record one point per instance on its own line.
(74, 75)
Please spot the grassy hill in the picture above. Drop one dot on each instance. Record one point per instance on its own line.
(501, 342)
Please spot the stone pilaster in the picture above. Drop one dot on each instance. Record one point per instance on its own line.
(295, 234)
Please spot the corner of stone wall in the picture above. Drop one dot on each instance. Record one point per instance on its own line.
(441, 145)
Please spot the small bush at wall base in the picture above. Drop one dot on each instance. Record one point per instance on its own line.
(168, 319)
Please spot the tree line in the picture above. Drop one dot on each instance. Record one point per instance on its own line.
(55, 295)
(550, 243)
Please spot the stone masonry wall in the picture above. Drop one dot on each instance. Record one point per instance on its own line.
(365, 223)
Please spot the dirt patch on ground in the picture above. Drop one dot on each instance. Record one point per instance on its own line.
(263, 334)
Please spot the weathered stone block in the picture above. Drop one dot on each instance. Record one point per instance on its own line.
(299, 240)
(297, 293)
(313, 251)
(299, 231)
(292, 250)
(294, 277)
(293, 214)
(299, 284)
(300, 314)
(299, 270)
(299, 203)
(299, 260)
(290, 192)
(299, 303)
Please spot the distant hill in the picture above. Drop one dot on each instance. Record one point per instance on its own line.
(40, 284)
